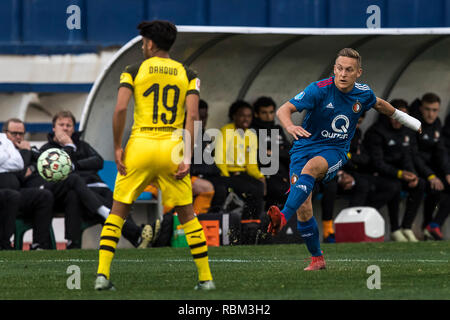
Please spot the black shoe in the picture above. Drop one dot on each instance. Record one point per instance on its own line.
(36, 246)
(6, 246)
(73, 245)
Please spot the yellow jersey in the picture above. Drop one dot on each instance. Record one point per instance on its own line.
(236, 151)
(160, 87)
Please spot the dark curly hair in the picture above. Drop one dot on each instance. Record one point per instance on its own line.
(239, 104)
(162, 33)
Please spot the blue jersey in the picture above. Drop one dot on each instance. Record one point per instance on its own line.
(331, 115)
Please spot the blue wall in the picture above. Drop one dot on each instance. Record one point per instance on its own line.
(34, 26)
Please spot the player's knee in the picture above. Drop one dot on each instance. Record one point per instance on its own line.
(316, 167)
(202, 185)
(185, 213)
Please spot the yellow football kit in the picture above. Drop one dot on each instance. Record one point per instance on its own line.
(236, 152)
(155, 147)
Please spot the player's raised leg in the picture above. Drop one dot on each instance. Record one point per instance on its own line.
(301, 187)
(110, 236)
(196, 240)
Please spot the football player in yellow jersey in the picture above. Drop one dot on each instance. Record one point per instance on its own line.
(165, 92)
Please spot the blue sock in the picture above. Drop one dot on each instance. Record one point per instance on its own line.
(310, 233)
(433, 225)
(298, 194)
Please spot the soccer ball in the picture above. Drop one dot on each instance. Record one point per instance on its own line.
(54, 165)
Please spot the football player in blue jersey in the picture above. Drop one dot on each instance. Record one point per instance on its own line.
(333, 107)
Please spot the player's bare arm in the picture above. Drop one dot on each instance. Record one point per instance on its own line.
(405, 119)
(284, 113)
(191, 116)
(119, 118)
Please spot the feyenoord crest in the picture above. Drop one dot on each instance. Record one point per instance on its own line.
(357, 107)
(294, 179)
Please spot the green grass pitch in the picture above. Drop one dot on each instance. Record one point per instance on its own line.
(407, 271)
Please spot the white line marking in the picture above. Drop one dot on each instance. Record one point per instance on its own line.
(224, 260)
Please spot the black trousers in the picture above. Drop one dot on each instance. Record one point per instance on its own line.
(383, 191)
(130, 230)
(9, 209)
(221, 186)
(413, 201)
(439, 199)
(37, 205)
(277, 188)
(369, 190)
(251, 190)
(73, 197)
(357, 195)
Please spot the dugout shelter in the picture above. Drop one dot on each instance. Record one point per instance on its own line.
(247, 62)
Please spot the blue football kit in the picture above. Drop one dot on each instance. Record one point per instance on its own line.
(331, 118)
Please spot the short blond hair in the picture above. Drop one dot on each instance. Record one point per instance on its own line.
(350, 53)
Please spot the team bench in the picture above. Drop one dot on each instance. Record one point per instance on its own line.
(108, 175)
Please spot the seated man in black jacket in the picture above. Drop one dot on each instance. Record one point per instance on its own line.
(389, 146)
(83, 193)
(446, 134)
(9, 209)
(32, 203)
(264, 119)
(433, 164)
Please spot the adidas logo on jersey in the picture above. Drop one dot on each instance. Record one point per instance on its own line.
(391, 143)
(303, 188)
(330, 106)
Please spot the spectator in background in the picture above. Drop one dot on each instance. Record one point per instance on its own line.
(83, 194)
(389, 146)
(446, 134)
(376, 190)
(236, 158)
(9, 209)
(10, 160)
(34, 204)
(209, 179)
(433, 164)
(264, 119)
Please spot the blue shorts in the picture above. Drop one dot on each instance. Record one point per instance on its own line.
(335, 158)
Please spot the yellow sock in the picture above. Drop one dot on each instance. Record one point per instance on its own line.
(202, 202)
(197, 242)
(327, 227)
(108, 242)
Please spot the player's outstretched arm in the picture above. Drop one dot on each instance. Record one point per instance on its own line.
(119, 118)
(192, 101)
(284, 114)
(405, 119)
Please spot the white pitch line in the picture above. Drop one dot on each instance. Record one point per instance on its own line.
(223, 260)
